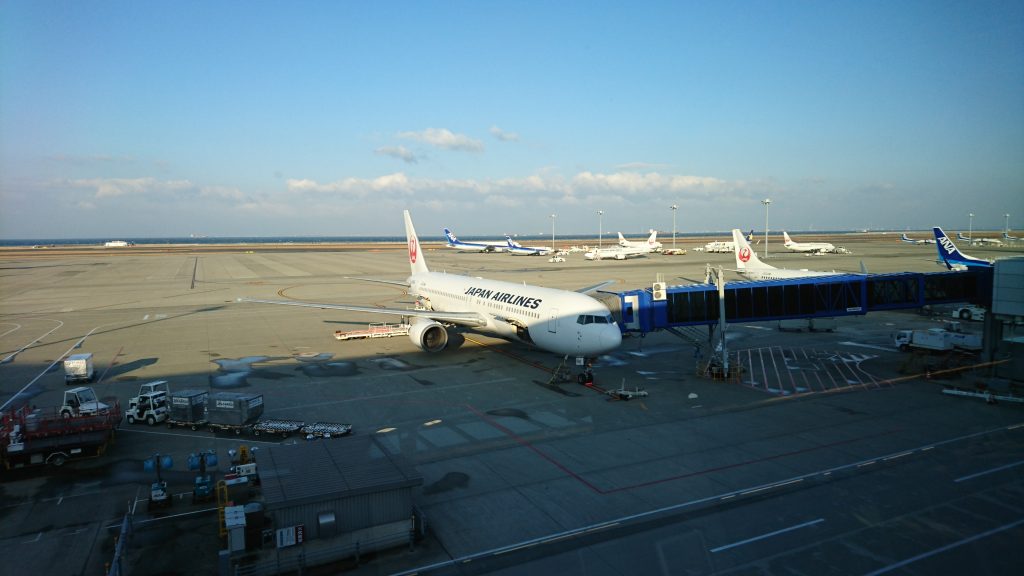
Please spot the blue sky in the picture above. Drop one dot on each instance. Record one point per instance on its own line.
(142, 119)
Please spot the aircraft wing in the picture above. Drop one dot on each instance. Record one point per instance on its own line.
(395, 282)
(471, 319)
(595, 287)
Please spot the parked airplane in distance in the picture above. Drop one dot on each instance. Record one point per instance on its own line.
(951, 256)
(616, 253)
(972, 241)
(1006, 236)
(461, 246)
(559, 321)
(517, 249)
(904, 238)
(652, 244)
(806, 246)
(750, 266)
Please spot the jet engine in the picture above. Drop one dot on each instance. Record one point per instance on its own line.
(430, 336)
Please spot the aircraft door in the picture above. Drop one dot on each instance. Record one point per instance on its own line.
(630, 307)
(553, 321)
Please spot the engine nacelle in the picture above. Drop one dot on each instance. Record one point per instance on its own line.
(430, 336)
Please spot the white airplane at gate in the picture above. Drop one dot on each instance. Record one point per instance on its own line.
(559, 321)
(650, 245)
(750, 266)
(806, 246)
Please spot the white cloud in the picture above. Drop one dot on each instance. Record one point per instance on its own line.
(503, 135)
(444, 138)
(112, 187)
(400, 152)
(641, 166)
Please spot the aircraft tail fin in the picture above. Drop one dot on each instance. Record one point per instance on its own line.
(951, 255)
(904, 238)
(451, 237)
(786, 239)
(750, 235)
(653, 238)
(417, 263)
(745, 256)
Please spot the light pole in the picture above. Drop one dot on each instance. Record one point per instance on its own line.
(553, 232)
(766, 202)
(1006, 225)
(674, 207)
(600, 227)
(970, 229)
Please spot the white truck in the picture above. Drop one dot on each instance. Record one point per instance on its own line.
(82, 401)
(151, 405)
(79, 368)
(936, 339)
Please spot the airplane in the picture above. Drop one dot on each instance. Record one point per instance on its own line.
(461, 246)
(517, 249)
(652, 244)
(1006, 236)
(563, 322)
(952, 257)
(972, 241)
(904, 238)
(750, 266)
(617, 253)
(806, 246)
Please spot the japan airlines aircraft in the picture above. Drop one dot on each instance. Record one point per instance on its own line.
(651, 245)
(806, 246)
(517, 249)
(558, 321)
(972, 241)
(904, 238)
(952, 257)
(617, 253)
(750, 266)
(461, 246)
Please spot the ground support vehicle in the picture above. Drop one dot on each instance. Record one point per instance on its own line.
(35, 436)
(969, 312)
(282, 428)
(82, 401)
(376, 330)
(188, 408)
(325, 430)
(150, 406)
(936, 339)
(79, 368)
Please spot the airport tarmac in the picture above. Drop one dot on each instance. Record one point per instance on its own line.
(855, 466)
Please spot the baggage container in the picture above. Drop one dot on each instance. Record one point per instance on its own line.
(233, 408)
(188, 407)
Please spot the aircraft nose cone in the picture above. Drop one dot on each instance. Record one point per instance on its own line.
(611, 338)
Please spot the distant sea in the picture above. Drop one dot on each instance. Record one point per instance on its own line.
(358, 239)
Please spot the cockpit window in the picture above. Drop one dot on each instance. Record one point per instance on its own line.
(591, 319)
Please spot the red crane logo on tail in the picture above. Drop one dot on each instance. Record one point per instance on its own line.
(744, 254)
(412, 250)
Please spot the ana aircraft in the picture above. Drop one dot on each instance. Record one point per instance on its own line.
(461, 246)
(517, 249)
(952, 257)
(616, 253)
(750, 266)
(652, 244)
(806, 246)
(972, 241)
(558, 321)
(904, 238)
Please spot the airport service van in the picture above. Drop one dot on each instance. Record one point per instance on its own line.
(936, 339)
(79, 368)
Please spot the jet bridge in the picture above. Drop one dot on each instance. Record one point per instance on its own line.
(664, 307)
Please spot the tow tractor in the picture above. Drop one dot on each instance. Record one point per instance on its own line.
(150, 406)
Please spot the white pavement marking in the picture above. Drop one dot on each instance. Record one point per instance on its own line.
(942, 549)
(872, 346)
(16, 326)
(36, 539)
(768, 535)
(233, 438)
(990, 471)
(19, 350)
